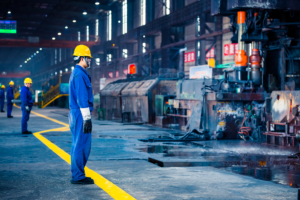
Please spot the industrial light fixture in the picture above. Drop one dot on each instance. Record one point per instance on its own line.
(53, 38)
(66, 69)
(119, 21)
(20, 65)
(25, 61)
(144, 36)
(66, 27)
(84, 13)
(97, 3)
(72, 68)
(37, 52)
(40, 49)
(34, 54)
(74, 21)
(59, 33)
(9, 12)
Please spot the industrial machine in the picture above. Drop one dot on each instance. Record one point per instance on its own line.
(272, 30)
(110, 100)
(133, 99)
(267, 59)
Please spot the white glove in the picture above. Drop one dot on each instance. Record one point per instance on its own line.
(86, 114)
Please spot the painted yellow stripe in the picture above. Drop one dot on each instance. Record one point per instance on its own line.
(54, 120)
(114, 191)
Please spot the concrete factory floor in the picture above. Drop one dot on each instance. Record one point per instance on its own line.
(36, 166)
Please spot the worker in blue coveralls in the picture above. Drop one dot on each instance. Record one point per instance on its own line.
(26, 104)
(9, 97)
(81, 106)
(2, 97)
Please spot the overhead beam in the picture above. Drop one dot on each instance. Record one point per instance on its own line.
(57, 14)
(52, 20)
(44, 43)
(83, 5)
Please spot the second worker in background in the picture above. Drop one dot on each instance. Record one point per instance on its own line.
(2, 97)
(26, 104)
(10, 96)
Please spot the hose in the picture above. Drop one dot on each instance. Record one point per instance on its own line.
(244, 130)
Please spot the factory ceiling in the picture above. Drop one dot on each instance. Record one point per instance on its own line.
(44, 20)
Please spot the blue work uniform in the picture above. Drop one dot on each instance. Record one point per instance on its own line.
(80, 96)
(2, 97)
(26, 100)
(9, 96)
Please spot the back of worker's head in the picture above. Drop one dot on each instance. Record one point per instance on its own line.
(11, 84)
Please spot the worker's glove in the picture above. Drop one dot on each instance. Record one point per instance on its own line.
(27, 109)
(87, 126)
(87, 120)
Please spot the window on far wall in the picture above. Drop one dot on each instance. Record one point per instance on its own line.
(144, 47)
(124, 17)
(87, 33)
(167, 7)
(109, 57)
(143, 12)
(97, 28)
(108, 29)
(125, 53)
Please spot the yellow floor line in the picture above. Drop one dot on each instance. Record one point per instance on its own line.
(114, 191)
(54, 120)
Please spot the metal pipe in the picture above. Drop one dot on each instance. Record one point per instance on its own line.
(241, 58)
(241, 29)
(255, 45)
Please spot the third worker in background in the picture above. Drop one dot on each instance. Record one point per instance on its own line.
(26, 104)
(9, 97)
(2, 97)
(81, 106)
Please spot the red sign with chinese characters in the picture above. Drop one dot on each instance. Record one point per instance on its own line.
(117, 74)
(125, 71)
(211, 53)
(226, 49)
(230, 49)
(111, 75)
(189, 57)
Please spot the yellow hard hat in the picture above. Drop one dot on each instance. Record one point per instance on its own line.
(3, 86)
(28, 80)
(11, 83)
(82, 50)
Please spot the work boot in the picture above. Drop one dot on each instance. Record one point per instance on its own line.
(26, 132)
(10, 117)
(2, 111)
(83, 181)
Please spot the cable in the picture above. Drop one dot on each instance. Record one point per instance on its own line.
(244, 131)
